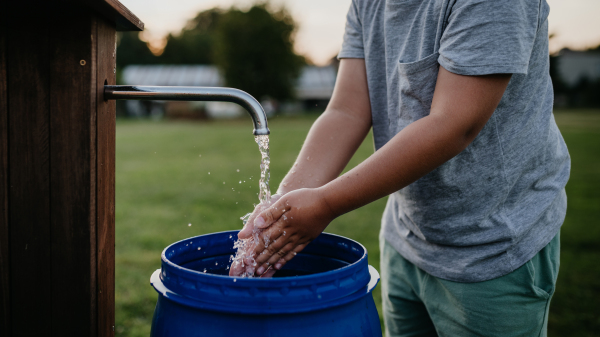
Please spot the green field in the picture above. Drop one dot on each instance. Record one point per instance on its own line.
(172, 174)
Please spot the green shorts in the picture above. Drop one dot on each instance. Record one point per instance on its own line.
(418, 304)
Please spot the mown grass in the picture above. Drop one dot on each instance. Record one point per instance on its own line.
(575, 308)
(163, 185)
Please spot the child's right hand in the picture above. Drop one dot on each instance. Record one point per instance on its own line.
(249, 226)
(247, 266)
(290, 224)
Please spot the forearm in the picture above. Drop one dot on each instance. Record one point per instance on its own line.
(329, 146)
(412, 153)
(461, 107)
(336, 134)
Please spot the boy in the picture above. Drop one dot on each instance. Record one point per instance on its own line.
(459, 97)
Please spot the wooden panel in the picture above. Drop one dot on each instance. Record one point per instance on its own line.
(29, 192)
(25, 12)
(72, 192)
(116, 12)
(105, 199)
(4, 248)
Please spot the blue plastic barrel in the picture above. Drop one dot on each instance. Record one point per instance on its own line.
(324, 291)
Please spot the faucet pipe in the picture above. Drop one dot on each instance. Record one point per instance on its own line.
(158, 93)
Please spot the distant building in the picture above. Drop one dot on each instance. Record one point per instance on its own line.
(574, 66)
(314, 88)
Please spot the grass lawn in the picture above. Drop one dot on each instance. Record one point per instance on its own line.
(172, 174)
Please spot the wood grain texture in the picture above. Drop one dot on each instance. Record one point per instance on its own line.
(4, 230)
(72, 175)
(105, 198)
(29, 180)
(57, 172)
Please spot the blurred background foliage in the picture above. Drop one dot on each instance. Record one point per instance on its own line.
(196, 41)
(253, 49)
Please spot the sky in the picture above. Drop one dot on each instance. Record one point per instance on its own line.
(575, 23)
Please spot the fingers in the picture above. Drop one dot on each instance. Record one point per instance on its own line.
(246, 232)
(267, 217)
(275, 258)
(273, 253)
(277, 262)
(269, 273)
(270, 242)
(236, 269)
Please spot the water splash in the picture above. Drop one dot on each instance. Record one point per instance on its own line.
(243, 261)
(265, 171)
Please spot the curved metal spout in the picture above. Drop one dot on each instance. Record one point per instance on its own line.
(138, 92)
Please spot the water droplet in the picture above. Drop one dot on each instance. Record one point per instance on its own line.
(199, 248)
(189, 225)
(234, 280)
(238, 170)
(308, 158)
(223, 183)
(199, 155)
(216, 263)
(240, 182)
(204, 271)
(208, 172)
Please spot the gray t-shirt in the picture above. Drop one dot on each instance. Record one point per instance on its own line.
(490, 209)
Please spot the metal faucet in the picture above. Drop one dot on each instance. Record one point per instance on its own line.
(138, 92)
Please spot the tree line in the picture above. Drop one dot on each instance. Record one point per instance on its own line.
(583, 94)
(253, 49)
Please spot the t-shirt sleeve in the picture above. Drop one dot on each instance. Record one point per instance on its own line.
(489, 36)
(352, 46)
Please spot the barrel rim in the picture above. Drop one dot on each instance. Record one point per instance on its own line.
(158, 285)
(258, 292)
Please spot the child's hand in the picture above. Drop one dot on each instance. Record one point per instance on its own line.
(246, 264)
(289, 225)
(246, 232)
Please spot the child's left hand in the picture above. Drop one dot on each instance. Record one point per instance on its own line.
(290, 224)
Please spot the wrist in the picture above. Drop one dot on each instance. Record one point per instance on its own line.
(328, 202)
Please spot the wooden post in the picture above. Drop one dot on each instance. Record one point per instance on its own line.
(57, 173)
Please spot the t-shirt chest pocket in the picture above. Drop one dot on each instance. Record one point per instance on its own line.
(416, 84)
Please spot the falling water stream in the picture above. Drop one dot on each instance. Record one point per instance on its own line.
(243, 260)
(264, 194)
